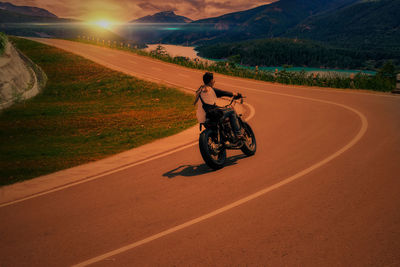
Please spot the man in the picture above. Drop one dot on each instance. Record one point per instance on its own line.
(208, 95)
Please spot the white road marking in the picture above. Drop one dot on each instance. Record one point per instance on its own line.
(360, 134)
(252, 111)
(302, 87)
(251, 115)
(100, 175)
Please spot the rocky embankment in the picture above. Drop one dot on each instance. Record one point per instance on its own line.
(20, 78)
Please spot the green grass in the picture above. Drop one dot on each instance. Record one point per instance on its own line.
(3, 42)
(86, 112)
(334, 80)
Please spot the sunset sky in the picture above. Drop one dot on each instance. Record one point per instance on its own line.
(126, 10)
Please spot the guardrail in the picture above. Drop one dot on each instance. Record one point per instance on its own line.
(110, 43)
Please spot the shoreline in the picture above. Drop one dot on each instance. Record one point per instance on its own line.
(190, 52)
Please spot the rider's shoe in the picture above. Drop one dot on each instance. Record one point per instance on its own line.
(239, 136)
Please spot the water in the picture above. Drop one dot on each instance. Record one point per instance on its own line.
(190, 52)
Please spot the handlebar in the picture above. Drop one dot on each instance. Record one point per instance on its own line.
(233, 100)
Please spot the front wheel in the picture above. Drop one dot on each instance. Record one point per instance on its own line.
(212, 152)
(249, 144)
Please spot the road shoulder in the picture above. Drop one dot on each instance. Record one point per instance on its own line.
(18, 191)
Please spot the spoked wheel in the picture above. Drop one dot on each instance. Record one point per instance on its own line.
(212, 152)
(249, 144)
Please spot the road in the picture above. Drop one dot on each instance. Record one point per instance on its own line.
(322, 190)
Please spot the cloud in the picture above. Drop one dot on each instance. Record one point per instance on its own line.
(125, 10)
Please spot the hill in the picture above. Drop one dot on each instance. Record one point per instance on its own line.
(153, 28)
(283, 51)
(265, 21)
(26, 10)
(363, 25)
(163, 17)
(12, 17)
(38, 26)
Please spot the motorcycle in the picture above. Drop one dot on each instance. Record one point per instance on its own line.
(218, 136)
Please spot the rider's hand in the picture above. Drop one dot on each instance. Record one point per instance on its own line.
(238, 96)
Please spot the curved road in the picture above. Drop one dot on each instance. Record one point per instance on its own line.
(323, 189)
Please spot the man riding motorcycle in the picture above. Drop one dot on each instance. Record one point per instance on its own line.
(207, 107)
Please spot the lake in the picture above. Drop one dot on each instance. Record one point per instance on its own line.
(190, 52)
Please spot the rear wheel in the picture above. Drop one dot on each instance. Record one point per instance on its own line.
(212, 152)
(249, 143)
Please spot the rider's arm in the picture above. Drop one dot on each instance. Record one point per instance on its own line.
(221, 93)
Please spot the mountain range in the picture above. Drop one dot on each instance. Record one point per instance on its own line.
(39, 22)
(362, 25)
(153, 28)
(26, 10)
(265, 21)
(357, 24)
(336, 33)
(163, 17)
(369, 26)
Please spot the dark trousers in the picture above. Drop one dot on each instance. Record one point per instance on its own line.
(215, 111)
(231, 114)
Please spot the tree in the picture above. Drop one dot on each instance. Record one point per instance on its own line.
(159, 51)
(388, 70)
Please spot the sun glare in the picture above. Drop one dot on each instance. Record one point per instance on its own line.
(103, 23)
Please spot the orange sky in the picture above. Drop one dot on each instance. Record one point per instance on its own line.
(126, 10)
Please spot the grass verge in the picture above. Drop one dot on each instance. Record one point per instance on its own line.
(3, 42)
(86, 112)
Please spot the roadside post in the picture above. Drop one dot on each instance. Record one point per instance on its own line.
(397, 89)
(352, 80)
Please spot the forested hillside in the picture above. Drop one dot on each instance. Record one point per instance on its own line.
(364, 25)
(265, 21)
(282, 51)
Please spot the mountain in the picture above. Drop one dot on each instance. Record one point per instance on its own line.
(153, 28)
(261, 22)
(363, 25)
(163, 17)
(12, 17)
(38, 26)
(26, 10)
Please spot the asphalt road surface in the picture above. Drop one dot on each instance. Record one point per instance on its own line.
(322, 190)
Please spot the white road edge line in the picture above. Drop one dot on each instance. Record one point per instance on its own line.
(100, 175)
(360, 134)
(251, 115)
(260, 82)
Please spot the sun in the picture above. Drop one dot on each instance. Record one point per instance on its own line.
(103, 23)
